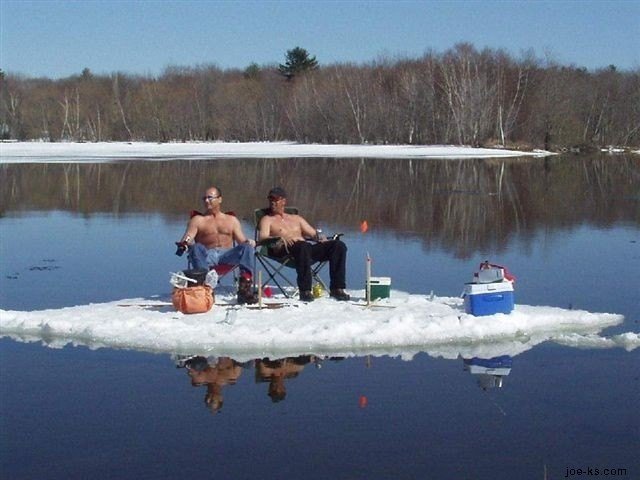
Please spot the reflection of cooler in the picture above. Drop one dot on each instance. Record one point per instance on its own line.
(489, 371)
(493, 366)
(488, 298)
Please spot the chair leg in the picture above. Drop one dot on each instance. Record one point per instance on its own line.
(315, 272)
(273, 272)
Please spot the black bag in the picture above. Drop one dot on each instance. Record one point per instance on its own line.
(199, 275)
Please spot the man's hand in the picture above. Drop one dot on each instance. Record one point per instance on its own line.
(181, 247)
(291, 240)
(268, 241)
(251, 243)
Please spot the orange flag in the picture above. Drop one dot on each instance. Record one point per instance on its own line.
(364, 226)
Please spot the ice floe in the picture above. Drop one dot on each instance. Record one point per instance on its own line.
(61, 152)
(403, 325)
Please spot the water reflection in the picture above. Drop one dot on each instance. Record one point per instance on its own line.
(464, 205)
(216, 375)
(277, 374)
(489, 372)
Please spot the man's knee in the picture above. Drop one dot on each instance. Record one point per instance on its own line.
(302, 253)
(302, 247)
(198, 256)
(245, 248)
(340, 246)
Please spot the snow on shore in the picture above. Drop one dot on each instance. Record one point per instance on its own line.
(406, 325)
(44, 152)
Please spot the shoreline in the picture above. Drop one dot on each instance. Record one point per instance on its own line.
(72, 152)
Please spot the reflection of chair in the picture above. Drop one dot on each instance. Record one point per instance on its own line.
(277, 267)
(221, 269)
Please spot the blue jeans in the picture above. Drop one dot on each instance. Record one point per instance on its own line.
(202, 258)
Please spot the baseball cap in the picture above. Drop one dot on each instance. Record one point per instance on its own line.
(277, 192)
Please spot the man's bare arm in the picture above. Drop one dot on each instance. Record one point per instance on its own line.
(264, 232)
(238, 234)
(191, 231)
(264, 228)
(307, 230)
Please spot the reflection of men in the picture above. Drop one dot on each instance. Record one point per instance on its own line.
(226, 371)
(294, 230)
(210, 238)
(276, 371)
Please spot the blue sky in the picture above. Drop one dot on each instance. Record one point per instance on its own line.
(55, 38)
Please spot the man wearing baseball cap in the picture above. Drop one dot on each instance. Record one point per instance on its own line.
(294, 231)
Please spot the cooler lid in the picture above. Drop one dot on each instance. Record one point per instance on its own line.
(479, 288)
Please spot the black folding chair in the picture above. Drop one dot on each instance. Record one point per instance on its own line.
(281, 270)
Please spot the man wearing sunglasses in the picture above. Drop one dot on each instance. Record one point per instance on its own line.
(209, 239)
(294, 230)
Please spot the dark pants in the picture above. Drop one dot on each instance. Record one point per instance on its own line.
(306, 254)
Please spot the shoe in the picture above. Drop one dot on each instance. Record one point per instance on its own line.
(306, 296)
(246, 295)
(247, 298)
(340, 295)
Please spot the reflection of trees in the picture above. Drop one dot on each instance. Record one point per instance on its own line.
(456, 204)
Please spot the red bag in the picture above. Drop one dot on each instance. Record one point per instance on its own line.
(507, 274)
(198, 299)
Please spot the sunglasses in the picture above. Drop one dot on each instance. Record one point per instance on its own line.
(210, 198)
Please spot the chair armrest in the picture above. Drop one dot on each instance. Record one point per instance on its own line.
(268, 242)
(335, 236)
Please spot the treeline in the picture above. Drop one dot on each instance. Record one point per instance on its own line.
(462, 96)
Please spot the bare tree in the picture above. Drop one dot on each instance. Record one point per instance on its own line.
(118, 103)
(462, 96)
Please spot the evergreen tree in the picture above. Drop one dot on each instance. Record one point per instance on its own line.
(252, 71)
(297, 61)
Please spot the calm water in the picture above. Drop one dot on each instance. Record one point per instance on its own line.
(568, 227)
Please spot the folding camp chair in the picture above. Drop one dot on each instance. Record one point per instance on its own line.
(222, 269)
(277, 268)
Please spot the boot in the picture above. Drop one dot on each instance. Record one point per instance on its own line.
(246, 294)
(340, 294)
(306, 296)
